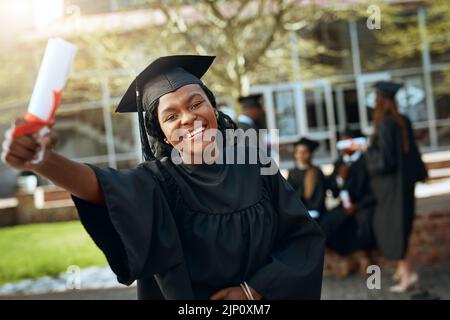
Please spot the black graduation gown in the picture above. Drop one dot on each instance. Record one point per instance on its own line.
(346, 234)
(296, 179)
(394, 174)
(201, 228)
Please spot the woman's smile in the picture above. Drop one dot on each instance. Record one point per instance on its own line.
(195, 134)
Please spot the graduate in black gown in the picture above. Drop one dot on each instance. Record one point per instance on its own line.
(395, 165)
(348, 226)
(199, 231)
(252, 115)
(308, 180)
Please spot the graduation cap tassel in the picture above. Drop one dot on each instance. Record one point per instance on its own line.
(147, 153)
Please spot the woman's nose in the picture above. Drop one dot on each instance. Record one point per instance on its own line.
(188, 118)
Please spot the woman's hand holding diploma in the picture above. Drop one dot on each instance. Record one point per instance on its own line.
(79, 179)
(29, 142)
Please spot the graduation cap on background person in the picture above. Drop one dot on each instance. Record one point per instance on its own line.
(251, 101)
(310, 144)
(387, 89)
(162, 76)
(352, 133)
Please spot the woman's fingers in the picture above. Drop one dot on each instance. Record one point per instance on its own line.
(220, 295)
(22, 152)
(18, 151)
(50, 139)
(26, 142)
(14, 161)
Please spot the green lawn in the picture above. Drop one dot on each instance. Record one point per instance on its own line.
(32, 251)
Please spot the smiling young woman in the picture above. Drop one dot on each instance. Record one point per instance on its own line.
(184, 116)
(187, 231)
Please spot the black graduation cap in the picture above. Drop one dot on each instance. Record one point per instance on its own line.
(250, 101)
(162, 76)
(311, 144)
(387, 89)
(352, 133)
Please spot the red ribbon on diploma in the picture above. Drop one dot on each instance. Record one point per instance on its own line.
(33, 123)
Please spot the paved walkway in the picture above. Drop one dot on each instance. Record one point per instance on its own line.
(436, 280)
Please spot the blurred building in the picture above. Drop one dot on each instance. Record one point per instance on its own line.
(319, 107)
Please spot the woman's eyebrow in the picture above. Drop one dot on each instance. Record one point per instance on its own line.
(168, 109)
(193, 95)
(171, 108)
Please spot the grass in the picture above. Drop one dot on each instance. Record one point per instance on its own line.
(32, 251)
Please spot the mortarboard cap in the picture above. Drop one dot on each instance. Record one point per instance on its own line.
(162, 76)
(387, 89)
(250, 101)
(351, 133)
(310, 144)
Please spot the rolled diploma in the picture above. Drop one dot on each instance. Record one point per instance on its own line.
(52, 77)
(345, 144)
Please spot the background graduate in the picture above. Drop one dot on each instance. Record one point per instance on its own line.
(197, 231)
(395, 165)
(252, 112)
(349, 225)
(308, 180)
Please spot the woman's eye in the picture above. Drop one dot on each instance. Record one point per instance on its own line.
(196, 105)
(171, 117)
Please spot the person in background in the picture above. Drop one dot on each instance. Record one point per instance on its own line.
(349, 225)
(252, 115)
(395, 166)
(308, 180)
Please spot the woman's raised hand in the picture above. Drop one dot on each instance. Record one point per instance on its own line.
(19, 152)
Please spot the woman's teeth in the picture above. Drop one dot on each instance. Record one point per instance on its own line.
(195, 132)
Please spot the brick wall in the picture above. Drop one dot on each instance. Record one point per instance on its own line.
(430, 238)
(429, 244)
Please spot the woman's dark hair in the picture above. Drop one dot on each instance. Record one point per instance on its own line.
(156, 136)
(387, 107)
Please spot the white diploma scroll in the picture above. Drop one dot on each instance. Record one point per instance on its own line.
(47, 92)
(345, 144)
(52, 78)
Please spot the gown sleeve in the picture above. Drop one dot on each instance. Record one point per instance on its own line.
(135, 230)
(295, 268)
(366, 197)
(332, 183)
(291, 180)
(382, 155)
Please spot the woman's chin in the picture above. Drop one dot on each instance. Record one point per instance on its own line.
(200, 152)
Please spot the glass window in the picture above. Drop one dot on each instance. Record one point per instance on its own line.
(395, 46)
(325, 50)
(411, 99)
(443, 133)
(316, 109)
(346, 105)
(441, 92)
(285, 113)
